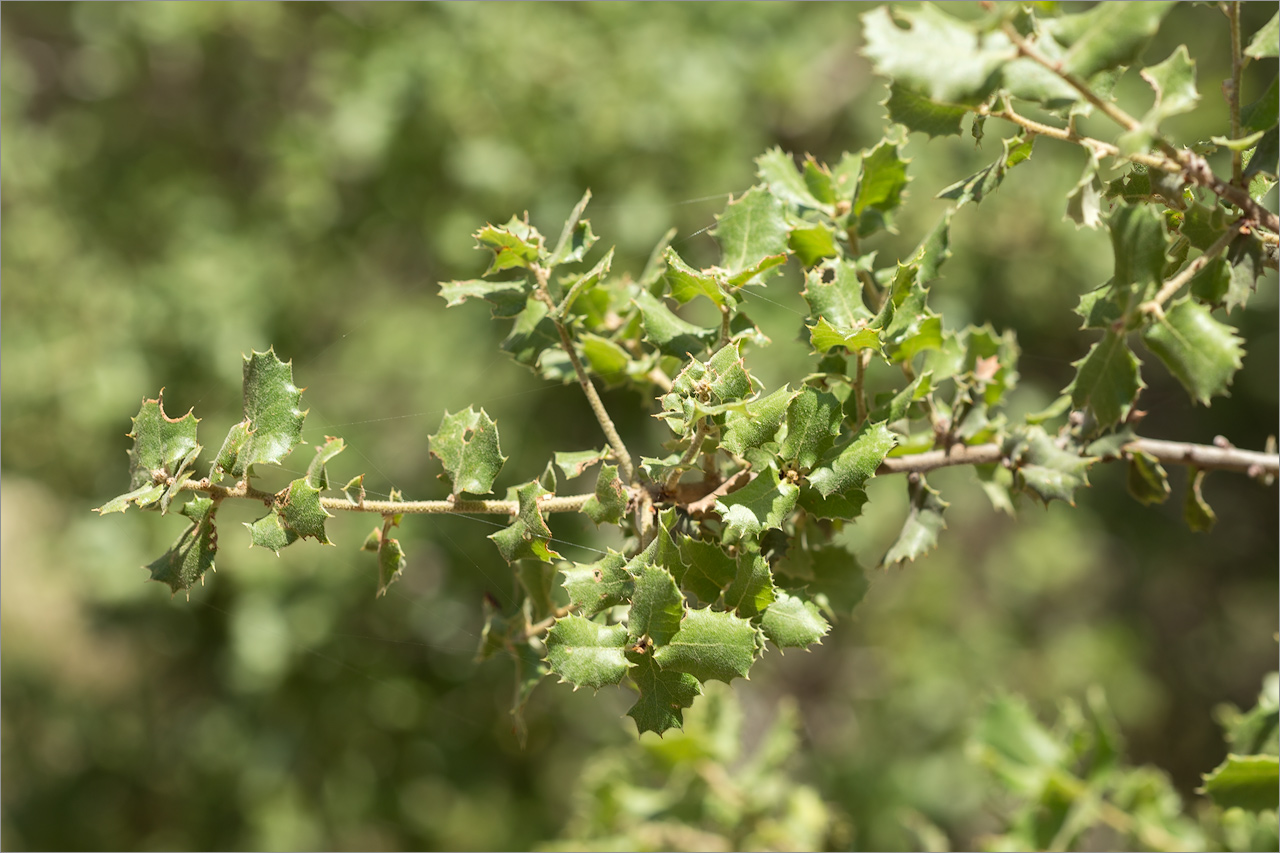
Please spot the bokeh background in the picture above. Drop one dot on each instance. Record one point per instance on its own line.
(183, 182)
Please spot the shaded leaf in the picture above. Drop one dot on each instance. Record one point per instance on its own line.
(506, 297)
(191, 555)
(918, 113)
(1147, 480)
(669, 333)
(663, 695)
(609, 503)
(1046, 470)
(982, 183)
(1107, 380)
(823, 335)
(1249, 782)
(752, 589)
(271, 533)
(776, 168)
(1106, 36)
(687, 283)
(813, 422)
(573, 463)
(924, 522)
(1201, 352)
(709, 569)
(1196, 511)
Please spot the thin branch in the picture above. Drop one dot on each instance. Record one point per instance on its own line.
(695, 447)
(1232, 88)
(620, 451)
(1173, 285)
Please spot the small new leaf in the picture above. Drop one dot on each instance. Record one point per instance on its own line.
(528, 535)
(1196, 511)
(302, 513)
(1147, 480)
(467, 445)
(711, 645)
(316, 473)
(609, 503)
(586, 654)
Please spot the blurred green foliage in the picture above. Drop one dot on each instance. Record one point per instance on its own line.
(185, 182)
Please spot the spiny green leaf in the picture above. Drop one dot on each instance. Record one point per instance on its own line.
(763, 503)
(835, 506)
(1084, 202)
(535, 343)
(467, 445)
(1107, 380)
(609, 503)
(1174, 82)
(916, 112)
(813, 422)
(1249, 782)
(528, 535)
(812, 242)
(1139, 242)
(792, 622)
(846, 469)
(191, 555)
(1245, 257)
(752, 589)
(316, 473)
(709, 570)
(576, 238)
(573, 463)
(597, 586)
(1196, 511)
(924, 522)
(302, 513)
(1106, 36)
(711, 645)
(506, 297)
(982, 183)
(1147, 480)
(271, 533)
(273, 421)
(516, 244)
(687, 283)
(1202, 225)
(670, 334)
(823, 335)
(663, 695)
(586, 654)
(778, 171)
(880, 186)
(656, 606)
(937, 55)
(1201, 352)
(1046, 470)
(160, 446)
(1266, 41)
(751, 228)
(759, 424)
(834, 293)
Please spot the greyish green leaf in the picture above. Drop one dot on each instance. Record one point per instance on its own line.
(813, 422)
(160, 447)
(606, 359)
(834, 293)
(302, 513)
(572, 463)
(1046, 470)
(528, 535)
(918, 113)
(656, 606)
(576, 238)
(752, 588)
(832, 576)
(1196, 511)
(763, 503)
(1250, 782)
(271, 533)
(924, 522)
(516, 244)
(1201, 352)
(191, 555)
(467, 445)
(1106, 36)
(1245, 257)
(709, 570)
(687, 283)
(597, 586)
(273, 421)
(1139, 243)
(535, 343)
(759, 424)
(316, 473)
(846, 469)
(751, 228)
(669, 333)
(792, 622)
(982, 183)
(711, 645)
(937, 55)
(663, 695)
(1147, 480)
(1266, 41)
(586, 654)
(776, 168)
(1107, 380)
(609, 503)
(1174, 82)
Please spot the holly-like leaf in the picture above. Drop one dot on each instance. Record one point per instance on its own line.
(273, 422)
(160, 446)
(916, 112)
(271, 533)
(792, 622)
(924, 522)
(1174, 82)
(776, 168)
(669, 333)
(813, 422)
(709, 569)
(1196, 511)
(823, 335)
(1266, 41)
(937, 55)
(587, 654)
(573, 463)
(1139, 242)
(1245, 258)
(981, 184)
(609, 503)
(656, 606)
(812, 242)
(191, 555)
(759, 424)
(1107, 380)
(763, 503)
(391, 562)
(752, 589)
(687, 283)
(535, 343)
(839, 581)
(302, 513)
(528, 535)
(834, 292)
(506, 297)
(597, 586)
(711, 645)
(1046, 470)
(1249, 782)
(752, 227)
(1201, 352)
(1106, 36)
(316, 473)
(880, 186)
(834, 506)
(664, 694)
(516, 244)
(576, 238)
(1147, 480)
(845, 470)
(467, 446)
